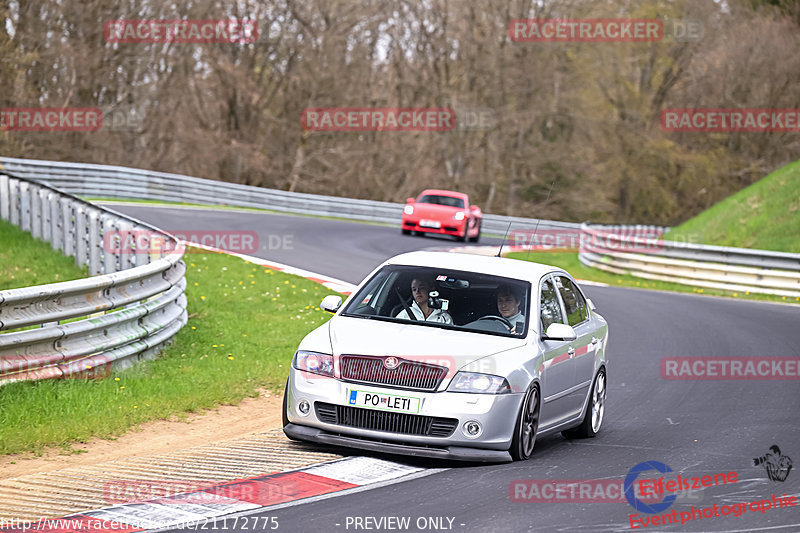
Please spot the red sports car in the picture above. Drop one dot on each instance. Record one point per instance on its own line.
(443, 212)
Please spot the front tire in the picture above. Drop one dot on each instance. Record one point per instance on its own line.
(477, 235)
(406, 232)
(527, 426)
(594, 411)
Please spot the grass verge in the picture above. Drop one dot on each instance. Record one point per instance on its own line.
(244, 326)
(765, 215)
(25, 261)
(569, 262)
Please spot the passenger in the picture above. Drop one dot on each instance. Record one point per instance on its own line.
(508, 302)
(420, 290)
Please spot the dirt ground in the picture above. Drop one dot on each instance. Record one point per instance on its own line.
(251, 416)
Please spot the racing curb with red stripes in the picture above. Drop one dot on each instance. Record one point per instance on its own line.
(244, 495)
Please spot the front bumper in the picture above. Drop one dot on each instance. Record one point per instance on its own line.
(456, 453)
(451, 227)
(496, 414)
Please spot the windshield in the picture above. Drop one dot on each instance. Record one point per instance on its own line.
(438, 199)
(448, 299)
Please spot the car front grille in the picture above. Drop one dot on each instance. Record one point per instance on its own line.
(355, 417)
(408, 374)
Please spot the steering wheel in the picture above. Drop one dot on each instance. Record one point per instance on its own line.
(500, 318)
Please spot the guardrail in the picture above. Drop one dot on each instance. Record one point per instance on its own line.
(132, 306)
(619, 249)
(130, 183)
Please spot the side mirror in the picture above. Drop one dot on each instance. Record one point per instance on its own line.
(559, 332)
(410, 200)
(331, 303)
(474, 207)
(591, 305)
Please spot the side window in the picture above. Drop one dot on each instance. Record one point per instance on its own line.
(574, 302)
(550, 309)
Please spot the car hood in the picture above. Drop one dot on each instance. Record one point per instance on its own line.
(360, 336)
(435, 210)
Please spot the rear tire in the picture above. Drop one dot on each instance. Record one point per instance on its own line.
(590, 426)
(527, 426)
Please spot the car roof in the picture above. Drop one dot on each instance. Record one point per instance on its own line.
(442, 192)
(499, 266)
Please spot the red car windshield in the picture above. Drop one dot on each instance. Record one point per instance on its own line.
(442, 200)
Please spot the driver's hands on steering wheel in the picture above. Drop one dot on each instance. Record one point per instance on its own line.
(511, 327)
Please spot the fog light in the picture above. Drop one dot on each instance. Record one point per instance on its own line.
(472, 429)
(303, 407)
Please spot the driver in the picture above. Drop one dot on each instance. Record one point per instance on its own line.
(420, 290)
(508, 302)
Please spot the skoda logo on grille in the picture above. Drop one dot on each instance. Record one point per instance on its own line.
(391, 363)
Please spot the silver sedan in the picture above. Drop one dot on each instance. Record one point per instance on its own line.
(452, 356)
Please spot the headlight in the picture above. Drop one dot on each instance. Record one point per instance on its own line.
(314, 363)
(479, 383)
(459, 216)
(408, 210)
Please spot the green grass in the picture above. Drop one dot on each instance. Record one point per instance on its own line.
(244, 325)
(765, 215)
(569, 262)
(25, 261)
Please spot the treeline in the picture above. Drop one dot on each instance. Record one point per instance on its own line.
(584, 115)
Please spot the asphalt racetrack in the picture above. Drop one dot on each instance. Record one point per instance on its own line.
(697, 427)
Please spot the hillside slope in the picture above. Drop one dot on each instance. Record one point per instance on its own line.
(765, 215)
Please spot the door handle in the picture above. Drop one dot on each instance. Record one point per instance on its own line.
(571, 351)
(594, 340)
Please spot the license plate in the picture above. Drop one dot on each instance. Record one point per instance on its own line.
(383, 402)
(430, 224)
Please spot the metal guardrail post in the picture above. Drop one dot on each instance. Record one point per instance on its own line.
(24, 206)
(108, 228)
(5, 197)
(81, 238)
(36, 211)
(44, 204)
(56, 235)
(68, 227)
